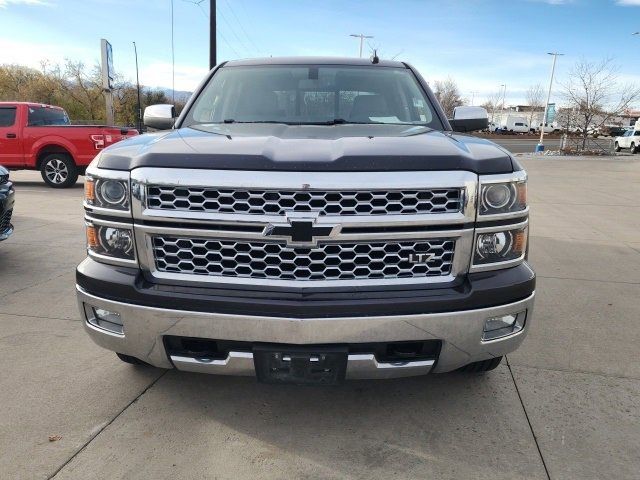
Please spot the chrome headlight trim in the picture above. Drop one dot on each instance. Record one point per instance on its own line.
(94, 200)
(513, 207)
(483, 267)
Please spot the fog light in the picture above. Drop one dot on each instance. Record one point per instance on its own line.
(104, 319)
(503, 326)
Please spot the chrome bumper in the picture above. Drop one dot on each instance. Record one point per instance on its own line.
(460, 333)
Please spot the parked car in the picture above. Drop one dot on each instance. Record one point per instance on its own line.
(307, 220)
(615, 130)
(7, 195)
(630, 140)
(40, 137)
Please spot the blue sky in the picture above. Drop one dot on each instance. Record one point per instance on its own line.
(479, 43)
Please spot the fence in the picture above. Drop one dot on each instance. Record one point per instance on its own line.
(602, 146)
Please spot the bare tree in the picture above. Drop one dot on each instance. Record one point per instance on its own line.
(448, 94)
(493, 103)
(593, 91)
(535, 100)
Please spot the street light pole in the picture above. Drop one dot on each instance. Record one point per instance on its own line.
(361, 37)
(540, 146)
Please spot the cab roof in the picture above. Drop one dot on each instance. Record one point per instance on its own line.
(313, 61)
(31, 104)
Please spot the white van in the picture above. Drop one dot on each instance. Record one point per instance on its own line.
(516, 124)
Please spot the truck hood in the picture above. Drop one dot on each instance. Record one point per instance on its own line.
(309, 148)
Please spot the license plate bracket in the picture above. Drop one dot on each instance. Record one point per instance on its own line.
(300, 365)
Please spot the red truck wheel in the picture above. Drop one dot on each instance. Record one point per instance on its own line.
(59, 170)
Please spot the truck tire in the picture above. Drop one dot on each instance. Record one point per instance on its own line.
(58, 170)
(617, 147)
(633, 148)
(131, 360)
(482, 366)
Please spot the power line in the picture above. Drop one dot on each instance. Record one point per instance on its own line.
(224, 17)
(206, 15)
(257, 49)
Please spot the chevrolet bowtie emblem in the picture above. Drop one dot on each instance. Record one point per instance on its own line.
(300, 231)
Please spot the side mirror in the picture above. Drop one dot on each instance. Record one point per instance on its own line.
(469, 119)
(160, 117)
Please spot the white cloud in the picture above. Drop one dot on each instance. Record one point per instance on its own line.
(159, 74)
(628, 3)
(40, 3)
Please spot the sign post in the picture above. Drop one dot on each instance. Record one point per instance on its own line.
(108, 75)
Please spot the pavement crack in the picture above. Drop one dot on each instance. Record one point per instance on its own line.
(104, 427)
(524, 409)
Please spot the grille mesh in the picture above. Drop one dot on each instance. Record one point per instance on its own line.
(5, 220)
(278, 202)
(4, 179)
(329, 261)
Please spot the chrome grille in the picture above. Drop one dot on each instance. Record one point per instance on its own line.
(277, 261)
(278, 202)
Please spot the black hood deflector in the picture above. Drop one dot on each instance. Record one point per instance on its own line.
(337, 148)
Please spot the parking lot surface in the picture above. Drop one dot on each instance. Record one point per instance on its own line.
(564, 406)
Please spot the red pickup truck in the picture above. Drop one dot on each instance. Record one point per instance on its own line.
(34, 136)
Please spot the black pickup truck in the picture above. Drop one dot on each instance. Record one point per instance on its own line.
(7, 201)
(308, 220)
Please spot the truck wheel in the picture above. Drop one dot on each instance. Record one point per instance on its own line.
(130, 359)
(617, 147)
(633, 148)
(483, 366)
(59, 170)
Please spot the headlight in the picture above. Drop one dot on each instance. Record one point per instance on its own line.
(107, 193)
(110, 241)
(500, 246)
(502, 197)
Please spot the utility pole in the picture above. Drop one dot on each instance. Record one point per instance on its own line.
(212, 34)
(473, 96)
(360, 36)
(540, 146)
(135, 51)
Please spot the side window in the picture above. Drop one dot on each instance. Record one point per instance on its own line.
(7, 116)
(36, 117)
(636, 133)
(39, 116)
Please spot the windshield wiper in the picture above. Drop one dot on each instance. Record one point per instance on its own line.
(231, 120)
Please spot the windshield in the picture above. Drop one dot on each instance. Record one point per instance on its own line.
(303, 95)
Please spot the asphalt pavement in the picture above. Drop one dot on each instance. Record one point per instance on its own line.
(524, 144)
(566, 405)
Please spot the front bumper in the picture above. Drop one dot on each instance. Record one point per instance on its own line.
(459, 332)
(7, 201)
